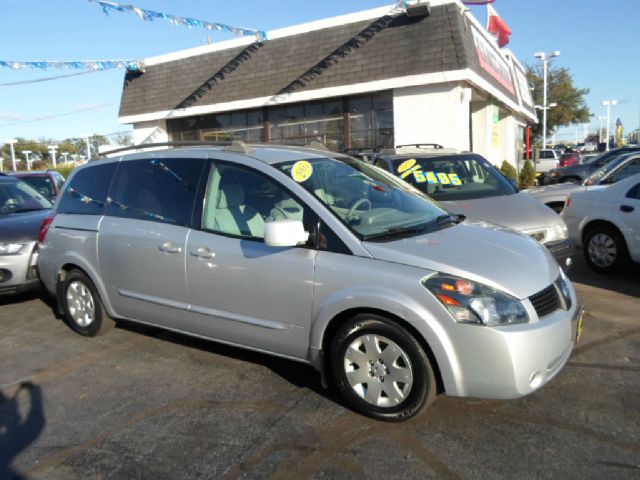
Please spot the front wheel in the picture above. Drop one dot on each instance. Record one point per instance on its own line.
(605, 250)
(83, 310)
(380, 369)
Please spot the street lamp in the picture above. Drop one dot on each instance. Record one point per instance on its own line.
(609, 104)
(52, 151)
(11, 142)
(26, 154)
(545, 59)
(601, 118)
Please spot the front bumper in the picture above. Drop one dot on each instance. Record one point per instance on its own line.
(564, 252)
(19, 273)
(515, 360)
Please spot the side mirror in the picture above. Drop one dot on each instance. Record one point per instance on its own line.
(284, 233)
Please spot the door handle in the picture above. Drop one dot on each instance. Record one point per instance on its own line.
(627, 208)
(169, 247)
(202, 252)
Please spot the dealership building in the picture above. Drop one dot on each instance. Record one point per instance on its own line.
(372, 79)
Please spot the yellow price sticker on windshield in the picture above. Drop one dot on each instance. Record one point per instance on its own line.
(301, 171)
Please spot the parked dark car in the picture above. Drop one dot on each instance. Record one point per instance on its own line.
(22, 210)
(48, 183)
(577, 173)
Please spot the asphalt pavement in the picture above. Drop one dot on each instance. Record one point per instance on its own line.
(141, 402)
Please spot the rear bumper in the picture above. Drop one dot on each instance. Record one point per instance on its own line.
(564, 252)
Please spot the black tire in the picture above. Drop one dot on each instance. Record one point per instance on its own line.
(82, 307)
(605, 250)
(413, 396)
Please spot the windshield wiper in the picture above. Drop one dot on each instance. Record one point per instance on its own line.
(448, 218)
(396, 231)
(22, 210)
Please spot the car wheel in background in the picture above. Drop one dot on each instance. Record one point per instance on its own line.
(605, 249)
(82, 306)
(380, 369)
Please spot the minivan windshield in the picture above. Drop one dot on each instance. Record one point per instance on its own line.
(372, 203)
(455, 177)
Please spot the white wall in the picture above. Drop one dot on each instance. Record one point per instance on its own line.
(432, 114)
(150, 132)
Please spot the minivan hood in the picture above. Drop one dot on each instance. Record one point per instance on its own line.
(519, 211)
(495, 256)
(22, 227)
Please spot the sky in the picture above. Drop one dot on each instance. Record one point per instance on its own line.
(599, 42)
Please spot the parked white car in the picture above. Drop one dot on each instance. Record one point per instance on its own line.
(605, 220)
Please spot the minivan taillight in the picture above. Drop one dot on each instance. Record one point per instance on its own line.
(44, 228)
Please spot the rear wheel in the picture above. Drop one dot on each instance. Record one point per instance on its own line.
(83, 309)
(380, 369)
(605, 249)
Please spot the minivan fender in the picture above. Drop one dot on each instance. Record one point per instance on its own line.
(70, 261)
(398, 305)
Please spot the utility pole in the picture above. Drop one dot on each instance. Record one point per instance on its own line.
(26, 154)
(52, 151)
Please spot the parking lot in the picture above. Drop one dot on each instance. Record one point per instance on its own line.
(145, 403)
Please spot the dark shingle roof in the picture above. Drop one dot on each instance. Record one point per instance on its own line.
(364, 51)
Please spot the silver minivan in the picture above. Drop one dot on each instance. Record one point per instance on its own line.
(316, 257)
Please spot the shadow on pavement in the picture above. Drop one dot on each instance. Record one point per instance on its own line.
(626, 282)
(296, 373)
(16, 432)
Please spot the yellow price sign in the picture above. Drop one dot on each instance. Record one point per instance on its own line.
(301, 171)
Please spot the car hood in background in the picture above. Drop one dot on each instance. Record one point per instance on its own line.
(553, 191)
(21, 227)
(495, 256)
(519, 211)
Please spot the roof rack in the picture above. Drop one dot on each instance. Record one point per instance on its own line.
(421, 145)
(179, 143)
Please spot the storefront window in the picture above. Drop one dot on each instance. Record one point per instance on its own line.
(370, 123)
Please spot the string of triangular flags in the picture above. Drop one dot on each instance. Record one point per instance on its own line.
(131, 65)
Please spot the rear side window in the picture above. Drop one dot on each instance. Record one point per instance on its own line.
(159, 190)
(86, 193)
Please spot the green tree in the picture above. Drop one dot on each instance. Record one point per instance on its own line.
(571, 106)
(508, 170)
(527, 175)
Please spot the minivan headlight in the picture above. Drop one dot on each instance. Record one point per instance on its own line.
(475, 303)
(10, 248)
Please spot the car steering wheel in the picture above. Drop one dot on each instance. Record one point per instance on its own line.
(354, 207)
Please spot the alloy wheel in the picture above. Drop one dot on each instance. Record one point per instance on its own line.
(378, 370)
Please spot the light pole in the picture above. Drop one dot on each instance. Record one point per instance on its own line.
(11, 142)
(601, 118)
(26, 154)
(609, 104)
(52, 151)
(88, 147)
(545, 59)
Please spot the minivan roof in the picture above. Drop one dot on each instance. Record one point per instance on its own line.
(265, 152)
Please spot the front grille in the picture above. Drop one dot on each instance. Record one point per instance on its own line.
(545, 301)
(539, 236)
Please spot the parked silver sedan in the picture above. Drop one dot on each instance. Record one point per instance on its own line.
(316, 257)
(22, 210)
